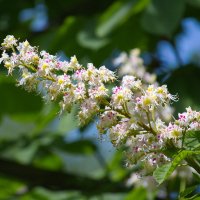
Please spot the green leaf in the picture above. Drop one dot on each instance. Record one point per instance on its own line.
(11, 129)
(46, 116)
(65, 37)
(192, 140)
(48, 161)
(40, 193)
(163, 17)
(188, 191)
(9, 187)
(195, 3)
(187, 96)
(88, 39)
(68, 122)
(78, 147)
(138, 192)
(196, 177)
(163, 172)
(117, 170)
(117, 14)
(62, 32)
(20, 152)
(17, 100)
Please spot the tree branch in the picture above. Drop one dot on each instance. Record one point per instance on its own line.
(57, 180)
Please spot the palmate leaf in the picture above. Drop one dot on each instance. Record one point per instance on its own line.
(163, 172)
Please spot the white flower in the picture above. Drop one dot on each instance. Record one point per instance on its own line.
(68, 100)
(106, 120)
(63, 81)
(9, 42)
(173, 131)
(28, 80)
(44, 68)
(88, 109)
(120, 59)
(105, 74)
(80, 91)
(120, 96)
(74, 64)
(128, 81)
(118, 133)
(4, 57)
(98, 91)
(62, 65)
(132, 64)
(80, 75)
(91, 74)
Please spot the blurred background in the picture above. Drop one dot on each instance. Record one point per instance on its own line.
(44, 156)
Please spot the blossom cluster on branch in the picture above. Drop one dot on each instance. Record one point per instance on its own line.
(131, 112)
(132, 64)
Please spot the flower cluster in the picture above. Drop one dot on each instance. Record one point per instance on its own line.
(130, 112)
(132, 64)
(187, 121)
(69, 82)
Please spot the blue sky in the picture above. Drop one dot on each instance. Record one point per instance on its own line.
(187, 43)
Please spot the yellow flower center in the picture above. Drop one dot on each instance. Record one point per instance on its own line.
(60, 81)
(7, 64)
(45, 66)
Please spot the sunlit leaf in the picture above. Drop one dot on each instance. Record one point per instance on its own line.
(117, 14)
(48, 161)
(89, 40)
(138, 193)
(21, 153)
(163, 172)
(10, 187)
